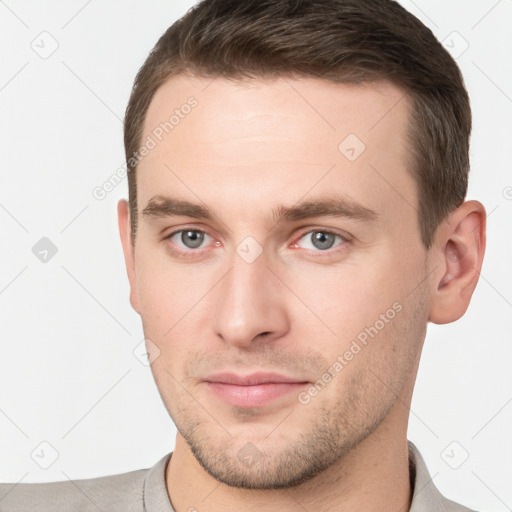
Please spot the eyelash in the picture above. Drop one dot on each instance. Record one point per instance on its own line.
(195, 252)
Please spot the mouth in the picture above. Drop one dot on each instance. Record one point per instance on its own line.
(253, 390)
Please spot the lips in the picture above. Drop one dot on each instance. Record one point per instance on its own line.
(253, 390)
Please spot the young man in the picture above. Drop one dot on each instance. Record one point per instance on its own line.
(296, 217)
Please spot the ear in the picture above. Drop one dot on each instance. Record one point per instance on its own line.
(123, 218)
(457, 253)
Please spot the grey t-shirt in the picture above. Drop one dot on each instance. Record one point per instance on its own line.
(145, 490)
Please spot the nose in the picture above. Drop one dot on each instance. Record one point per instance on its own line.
(250, 304)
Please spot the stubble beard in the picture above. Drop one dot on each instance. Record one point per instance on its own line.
(328, 428)
(277, 462)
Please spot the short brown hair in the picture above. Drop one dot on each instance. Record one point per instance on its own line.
(345, 41)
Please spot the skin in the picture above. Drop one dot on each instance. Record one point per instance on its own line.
(247, 148)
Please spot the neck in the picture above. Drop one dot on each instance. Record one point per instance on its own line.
(373, 476)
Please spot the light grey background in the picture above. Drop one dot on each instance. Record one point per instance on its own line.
(68, 374)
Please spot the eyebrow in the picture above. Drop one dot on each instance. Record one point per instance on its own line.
(325, 206)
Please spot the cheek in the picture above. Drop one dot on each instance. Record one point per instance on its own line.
(174, 301)
(167, 292)
(362, 319)
(347, 298)
(370, 366)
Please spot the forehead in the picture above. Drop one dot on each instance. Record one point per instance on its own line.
(232, 141)
(326, 107)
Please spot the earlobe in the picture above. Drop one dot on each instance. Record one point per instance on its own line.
(460, 245)
(123, 217)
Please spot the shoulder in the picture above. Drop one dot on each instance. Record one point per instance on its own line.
(451, 506)
(425, 495)
(123, 492)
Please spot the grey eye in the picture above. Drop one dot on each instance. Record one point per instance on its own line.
(320, 240)
(192, 238)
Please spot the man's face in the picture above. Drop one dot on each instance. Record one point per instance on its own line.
(330, 298)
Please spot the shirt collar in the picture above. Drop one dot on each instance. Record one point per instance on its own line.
(425, 495)
(155, 497)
